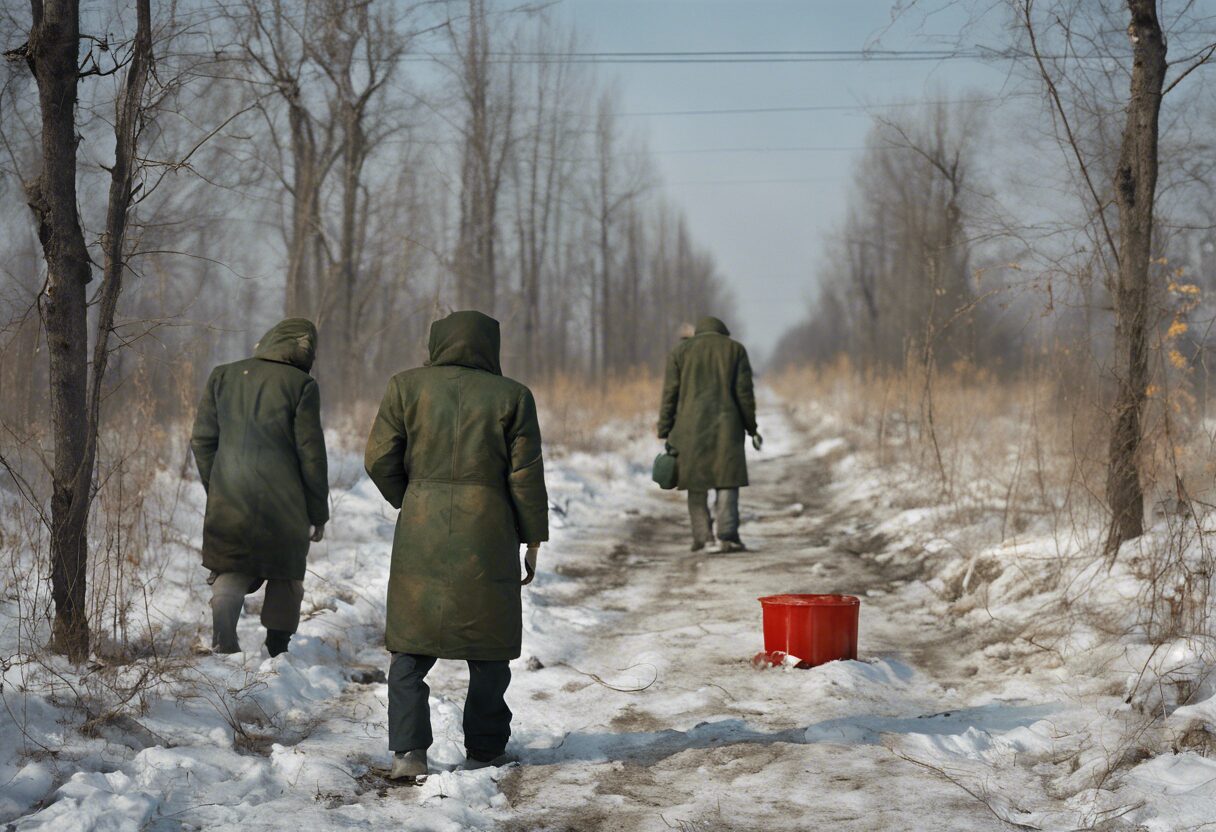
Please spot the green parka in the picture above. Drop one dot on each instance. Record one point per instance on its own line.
(707, 406)
(456, 446)
(261, 457)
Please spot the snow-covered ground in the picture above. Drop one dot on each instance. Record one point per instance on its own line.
(636, 703)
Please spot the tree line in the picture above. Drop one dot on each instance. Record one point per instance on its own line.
(176, 177)
(1067, 229)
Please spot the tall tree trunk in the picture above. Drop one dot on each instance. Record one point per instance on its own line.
(1135, 188)
(633, 314)
(352, 171)
(480, 172)
(52, 55)
(605, 307)
(298, 294)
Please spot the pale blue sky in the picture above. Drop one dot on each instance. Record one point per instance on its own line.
(767, 232)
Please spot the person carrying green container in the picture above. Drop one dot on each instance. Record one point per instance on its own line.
(708, 404)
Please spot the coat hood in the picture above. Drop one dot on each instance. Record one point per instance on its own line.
(711, 324)
(291, 341)
(466, 339)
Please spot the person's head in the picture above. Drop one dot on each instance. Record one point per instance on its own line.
(468, 339)
(291, 341)
(712, 324)
(686, 331)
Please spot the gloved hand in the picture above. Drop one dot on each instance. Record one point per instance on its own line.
(530, 563)
(757, 440)
(318, 532)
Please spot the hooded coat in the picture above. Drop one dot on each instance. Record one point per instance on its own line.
(260, 453)
(708, 405)
(456, 447)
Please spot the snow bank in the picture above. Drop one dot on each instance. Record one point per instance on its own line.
(1095, 677)
(245, 740)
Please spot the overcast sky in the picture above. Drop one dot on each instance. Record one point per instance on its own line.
(764, 212)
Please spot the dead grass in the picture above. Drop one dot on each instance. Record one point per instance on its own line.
(580, 415)
(576, 413)
(995, 458)
(984, 443)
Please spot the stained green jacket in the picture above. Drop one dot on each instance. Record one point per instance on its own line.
(456, 446)
(261, 456)
(707, 406)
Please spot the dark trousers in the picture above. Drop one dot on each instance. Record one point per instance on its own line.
(487, 719)
(280, 609)
(726, 507)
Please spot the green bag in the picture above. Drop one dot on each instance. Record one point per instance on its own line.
(665, 471)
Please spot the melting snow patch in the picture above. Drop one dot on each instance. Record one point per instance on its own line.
(827, 446)
(20, 791)
(95, 802)
(475, 789)
(1181, 792)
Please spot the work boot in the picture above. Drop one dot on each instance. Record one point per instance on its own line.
(409, 765)
(276, 642)
(697, 545)
(731, 544)
(481, 759)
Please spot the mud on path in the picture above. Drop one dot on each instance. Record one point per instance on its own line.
(700, 739)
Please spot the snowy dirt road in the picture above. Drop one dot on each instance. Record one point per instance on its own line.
(712, 742)
(636, 703)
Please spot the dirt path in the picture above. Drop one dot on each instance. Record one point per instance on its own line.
(636, 706)
(682, 752)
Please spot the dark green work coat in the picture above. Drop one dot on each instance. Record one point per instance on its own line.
(456, 446)
(708, 405)
(261, 456)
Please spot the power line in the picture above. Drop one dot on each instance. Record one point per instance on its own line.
(982, 54)
(730, 52)
(794, 181)
(759, 56)
(793, 149)
(813, 108)
(698, 61)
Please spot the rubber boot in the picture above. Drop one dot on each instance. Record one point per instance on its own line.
(409, 765)
(276, 641)
(477, 759)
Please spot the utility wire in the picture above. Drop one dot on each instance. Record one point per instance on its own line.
(727, 59)
(730, 52)
(779, 181)
(759, 56)
(793, 149)
(813, 108)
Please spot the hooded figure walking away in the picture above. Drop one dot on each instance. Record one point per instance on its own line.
(456, 447)
(261, 457)
(708, 404)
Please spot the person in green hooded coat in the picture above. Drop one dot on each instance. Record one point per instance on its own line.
(456, 447)
(708, 404)
(260, 453)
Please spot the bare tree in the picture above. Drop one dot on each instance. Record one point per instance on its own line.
(358, 52)
(900, 264)
(51, 53)
(355, 156)
(1129, 244)
(272, 38)
(1135, 190)
(617, 181)
(543, 169)
(487, 88)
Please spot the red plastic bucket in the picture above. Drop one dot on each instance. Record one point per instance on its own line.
(814, 629)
